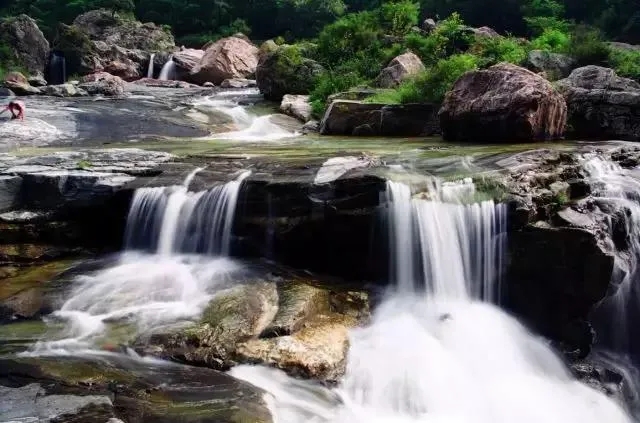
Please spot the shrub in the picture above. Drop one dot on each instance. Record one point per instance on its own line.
(587, 46)
(625, 62)
(499, 49)
(398, 18)
(431, 85)
(450, 37)
(330, 83)
(553, 40)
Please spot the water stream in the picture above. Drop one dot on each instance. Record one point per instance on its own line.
(168, 71)
(442, 354)
(151, 65)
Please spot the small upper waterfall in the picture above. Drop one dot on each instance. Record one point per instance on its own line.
(150, 69)
(168, 70)
(174, 220)
(444, 354)
(57, 69)
(452, 249)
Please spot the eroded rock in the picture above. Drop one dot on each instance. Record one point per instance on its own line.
(29, 47)
(399, 69)
(225, 59)
(297, 106)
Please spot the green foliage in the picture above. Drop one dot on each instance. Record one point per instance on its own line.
(431, 85)
(625, 62)
(331, 83)
(587, 46)
(399, 17)
(553, 40)
(448, 38)
(499, 49)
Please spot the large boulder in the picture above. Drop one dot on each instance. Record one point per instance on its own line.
(286, 71)
(28, 47)
(226, 58)
(500, 104)
(188, 58)
(100, 41)
(346, 117)
(601, 104)
(102, 83)
(554, 65)
(18, 83)
(400, 68)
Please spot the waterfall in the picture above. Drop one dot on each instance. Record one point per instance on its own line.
(151, 65)
(168, 71)
(173, 219)
(618, 190)
(437, 350)
(57, 69)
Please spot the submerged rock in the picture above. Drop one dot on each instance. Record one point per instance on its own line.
(601, 104)
(500, 104)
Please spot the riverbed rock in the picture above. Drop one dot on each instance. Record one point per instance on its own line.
(554, 65)
(102, 83)
(18, 83)
(344, 117)
(37, 81)
(238, 83)
(286, 71)
(601, 104)
(227, 58)
(297, 106)
(502, 103)
(399, 69)
(27, 44)
(64, 90)
(88, 390)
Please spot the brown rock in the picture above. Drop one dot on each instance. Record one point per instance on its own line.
(502, 103)
(227, 58)
(188, 58)
(402, 67)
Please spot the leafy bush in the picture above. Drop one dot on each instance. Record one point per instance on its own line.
(399, 17)
(330, 83)
(448, 38)
(587, 46)
(499, 49)
(431, 85)
(553, 40)
(625, 62)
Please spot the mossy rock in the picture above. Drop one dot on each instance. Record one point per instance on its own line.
(79, 51)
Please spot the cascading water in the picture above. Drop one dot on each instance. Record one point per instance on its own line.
(151, 65)
(168, 71)
(145, 291)
(441, 354)
(250, 126)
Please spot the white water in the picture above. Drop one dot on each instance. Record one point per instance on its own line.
(620, 188)
(145, 291)
(168, 71)
(175, 220)
(441, 355)
(151, 64)
(251, 127)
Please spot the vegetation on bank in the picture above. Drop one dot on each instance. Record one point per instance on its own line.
(353, 40)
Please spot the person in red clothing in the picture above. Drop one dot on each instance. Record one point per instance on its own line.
(16, 108)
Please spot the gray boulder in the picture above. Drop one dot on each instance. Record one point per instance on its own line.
(601, 104)
(297, 106)
(554, 65)
(399, 69)
(29, 47)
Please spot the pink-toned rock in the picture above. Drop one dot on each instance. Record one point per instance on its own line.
(504, 103)
(16, 78)
(226, 58)
(188, 58)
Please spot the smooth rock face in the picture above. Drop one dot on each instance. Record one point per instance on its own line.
(297, 106)
(399, 69)
(188, 58)
(226, 58)
(345, 117)
(27, 43)
(284, 71)
(500, 104)
(238, 83)
(554, 65)
(601, 105)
